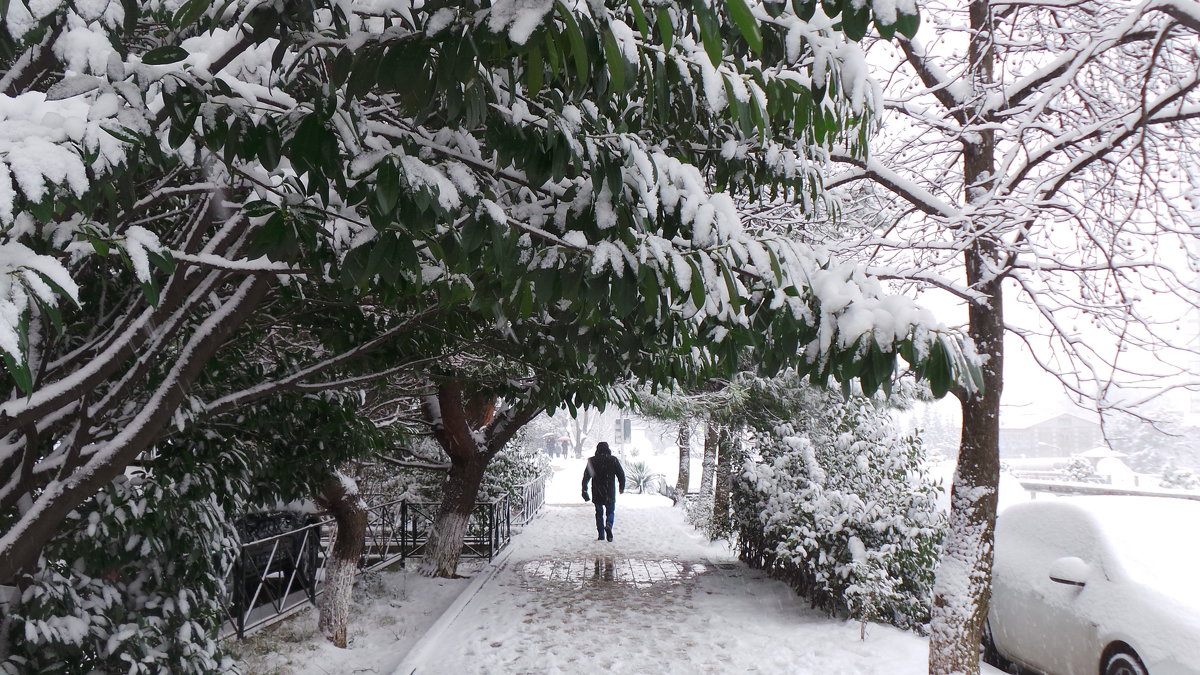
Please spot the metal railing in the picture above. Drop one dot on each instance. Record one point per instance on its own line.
(1063, 488)
(274, 577)
(529, 501)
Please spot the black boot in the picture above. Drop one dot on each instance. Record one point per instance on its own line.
(608, 533)
(600, 537)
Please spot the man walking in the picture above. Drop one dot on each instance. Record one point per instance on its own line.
(601, 469)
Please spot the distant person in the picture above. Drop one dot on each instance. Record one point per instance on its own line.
(603, 471)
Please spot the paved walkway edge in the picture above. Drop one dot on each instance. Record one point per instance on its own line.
(423, 648)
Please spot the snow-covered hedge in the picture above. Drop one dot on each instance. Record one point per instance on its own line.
(519, 463)
(845, 512)
(135, 585)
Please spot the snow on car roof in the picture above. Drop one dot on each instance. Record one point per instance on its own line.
(1155, 540)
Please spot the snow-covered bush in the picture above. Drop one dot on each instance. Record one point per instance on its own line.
(843, 509)
(135, 585)
(1175, 478)
(1081, 471)
(519, 463)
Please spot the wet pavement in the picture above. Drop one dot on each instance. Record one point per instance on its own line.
(638, 574)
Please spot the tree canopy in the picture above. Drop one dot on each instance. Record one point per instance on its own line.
(550, 173)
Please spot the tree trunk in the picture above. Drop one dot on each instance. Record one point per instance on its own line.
(727, 452)
(340, 497)
(963, 583)
(444, 549)
(471, 431)
(684, 441)
(710, 459)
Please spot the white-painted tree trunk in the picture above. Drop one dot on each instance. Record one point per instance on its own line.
(334, 609)
(684, 441)
(709, 468)
(340, 497)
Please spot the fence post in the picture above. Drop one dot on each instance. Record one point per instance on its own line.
(239, 596)
(493, 531)
(403, 533)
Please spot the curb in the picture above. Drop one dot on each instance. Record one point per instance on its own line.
(422, 649)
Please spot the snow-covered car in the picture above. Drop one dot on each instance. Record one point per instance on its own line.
(1097, 586)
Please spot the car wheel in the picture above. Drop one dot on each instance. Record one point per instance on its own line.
(991, 655)
(1123, 663)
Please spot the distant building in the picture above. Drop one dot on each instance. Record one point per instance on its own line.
(1060, 436)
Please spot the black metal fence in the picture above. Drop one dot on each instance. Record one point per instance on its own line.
(277, 575)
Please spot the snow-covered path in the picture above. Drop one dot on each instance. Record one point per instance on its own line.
(660, 599)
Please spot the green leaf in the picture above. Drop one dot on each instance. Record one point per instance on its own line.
(164, 55)
(804, 8)
(747, 25)
(473, 233)
(343, 63)
(387, 187)
(710, 31)
(697, 284)
(526, 300)
(575, 37)
(101, 247)
(20, 373)
(259, 208)
(886, 31)
(271, 144)
(615, 60)
(535, 72)
(150, 290)
(908, 24)
(666, 31)
(189, 13)
(639, 18)
(162, 261)
(855, 22)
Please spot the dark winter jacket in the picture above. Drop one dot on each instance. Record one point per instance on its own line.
(601, 469)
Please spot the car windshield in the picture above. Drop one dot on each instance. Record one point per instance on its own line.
(1155, 542)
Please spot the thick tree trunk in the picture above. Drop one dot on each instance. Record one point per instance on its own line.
(709, 466)
(684, 441)
(727, 452)
(450, 527)
(340, 497)
(963, 584)
(471, 431)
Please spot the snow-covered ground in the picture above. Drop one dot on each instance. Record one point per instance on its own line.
(391, 611)
(660, 598)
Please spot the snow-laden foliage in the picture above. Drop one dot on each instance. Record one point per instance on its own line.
(136, 581)
(840, 505)
(1176, 478)
(1045, 152)
(149, 599)
(519, 463)
(559, 178)
(1081, 471)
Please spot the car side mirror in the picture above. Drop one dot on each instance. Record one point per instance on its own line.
(1070, 571)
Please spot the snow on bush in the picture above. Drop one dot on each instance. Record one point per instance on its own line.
(1081, 471)
(1179, 479)
(840, 505)
(135, 586)
(518, 464)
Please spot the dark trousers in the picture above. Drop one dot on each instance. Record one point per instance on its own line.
(605, 513)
